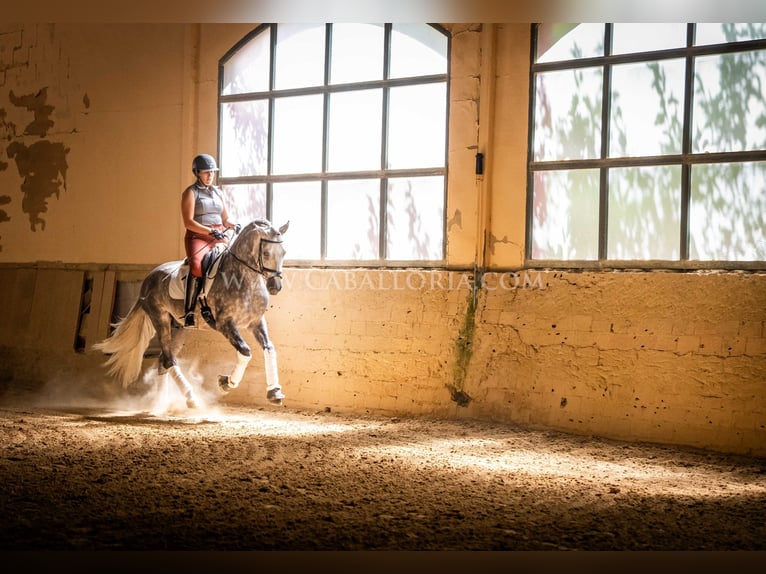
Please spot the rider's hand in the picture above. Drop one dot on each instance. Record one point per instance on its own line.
(217, 234)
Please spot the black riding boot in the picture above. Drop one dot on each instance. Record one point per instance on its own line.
(193, 287)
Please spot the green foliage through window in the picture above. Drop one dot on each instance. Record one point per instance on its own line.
(648, 144)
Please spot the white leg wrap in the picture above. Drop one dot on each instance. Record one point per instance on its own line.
(180, 380)
(270, 362)
(239, 369)
(183, 384)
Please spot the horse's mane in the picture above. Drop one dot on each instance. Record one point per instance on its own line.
(260, 223)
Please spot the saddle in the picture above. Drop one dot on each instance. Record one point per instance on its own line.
(179, 276)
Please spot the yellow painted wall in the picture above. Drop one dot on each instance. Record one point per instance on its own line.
(669, 357)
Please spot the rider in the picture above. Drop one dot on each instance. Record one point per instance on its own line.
(205, 219)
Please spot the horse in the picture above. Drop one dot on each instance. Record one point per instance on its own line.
(250, 269)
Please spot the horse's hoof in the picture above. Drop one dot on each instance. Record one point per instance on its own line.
(275, 396)
(224, 384)
(191, 401)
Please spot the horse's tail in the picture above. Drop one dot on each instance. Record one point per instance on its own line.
(126, 345)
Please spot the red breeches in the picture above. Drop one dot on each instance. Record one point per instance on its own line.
(197, 246)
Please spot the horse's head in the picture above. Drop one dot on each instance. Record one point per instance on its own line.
(271, 252)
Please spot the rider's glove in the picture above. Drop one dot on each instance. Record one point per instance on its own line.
(217, 234)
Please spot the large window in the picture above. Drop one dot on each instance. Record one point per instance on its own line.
(341, 129)
(648, 145)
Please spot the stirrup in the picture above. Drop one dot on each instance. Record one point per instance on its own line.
(206, 312)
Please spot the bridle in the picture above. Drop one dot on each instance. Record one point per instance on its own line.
(262, 269)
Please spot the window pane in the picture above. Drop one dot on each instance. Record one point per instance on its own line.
(248, 69)
(565, 214)
(300, 204)
(730, 102)
(568, 114)
(727, 216)
(245, 202)
(569, 41)
(353, 219)
(298, 134)
(647, 108)
(415, 218)
(628, 38)
(299, 56)
(644, 213)
(244, 138)
(357, 53)
(355, 130)
(297, 127)
(723, 33)
(417, 50)
(417, 126)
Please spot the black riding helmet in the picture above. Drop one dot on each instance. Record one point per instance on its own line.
(203, 162)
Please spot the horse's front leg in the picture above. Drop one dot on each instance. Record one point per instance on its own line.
(228, 382)
(273, 389)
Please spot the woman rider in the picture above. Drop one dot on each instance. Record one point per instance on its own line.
(205, 219)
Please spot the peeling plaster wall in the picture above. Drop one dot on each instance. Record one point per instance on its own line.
(90, 147)
(668, 357)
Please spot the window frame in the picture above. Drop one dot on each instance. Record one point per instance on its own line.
(323, 176)
(686, 159)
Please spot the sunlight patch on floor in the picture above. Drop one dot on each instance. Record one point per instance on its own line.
(496, 457)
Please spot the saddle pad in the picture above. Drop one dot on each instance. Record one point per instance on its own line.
(177, 282)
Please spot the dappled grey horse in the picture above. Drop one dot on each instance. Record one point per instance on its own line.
(235, 296)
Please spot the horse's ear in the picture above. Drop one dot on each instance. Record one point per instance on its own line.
(284, 227)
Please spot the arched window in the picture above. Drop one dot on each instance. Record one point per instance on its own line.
(341, 129)
(648, 145)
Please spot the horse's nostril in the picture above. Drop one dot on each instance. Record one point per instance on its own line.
(274, 285)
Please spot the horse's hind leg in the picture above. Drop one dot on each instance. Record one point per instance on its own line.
(273, 389)
(169, 365)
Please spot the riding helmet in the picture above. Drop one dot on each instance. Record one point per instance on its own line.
(203, 162)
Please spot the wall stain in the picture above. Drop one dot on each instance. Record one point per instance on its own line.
(493, 240)
(464, 348)
(43, 164)
(4, 200)
(35, 104)
(456, 219)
